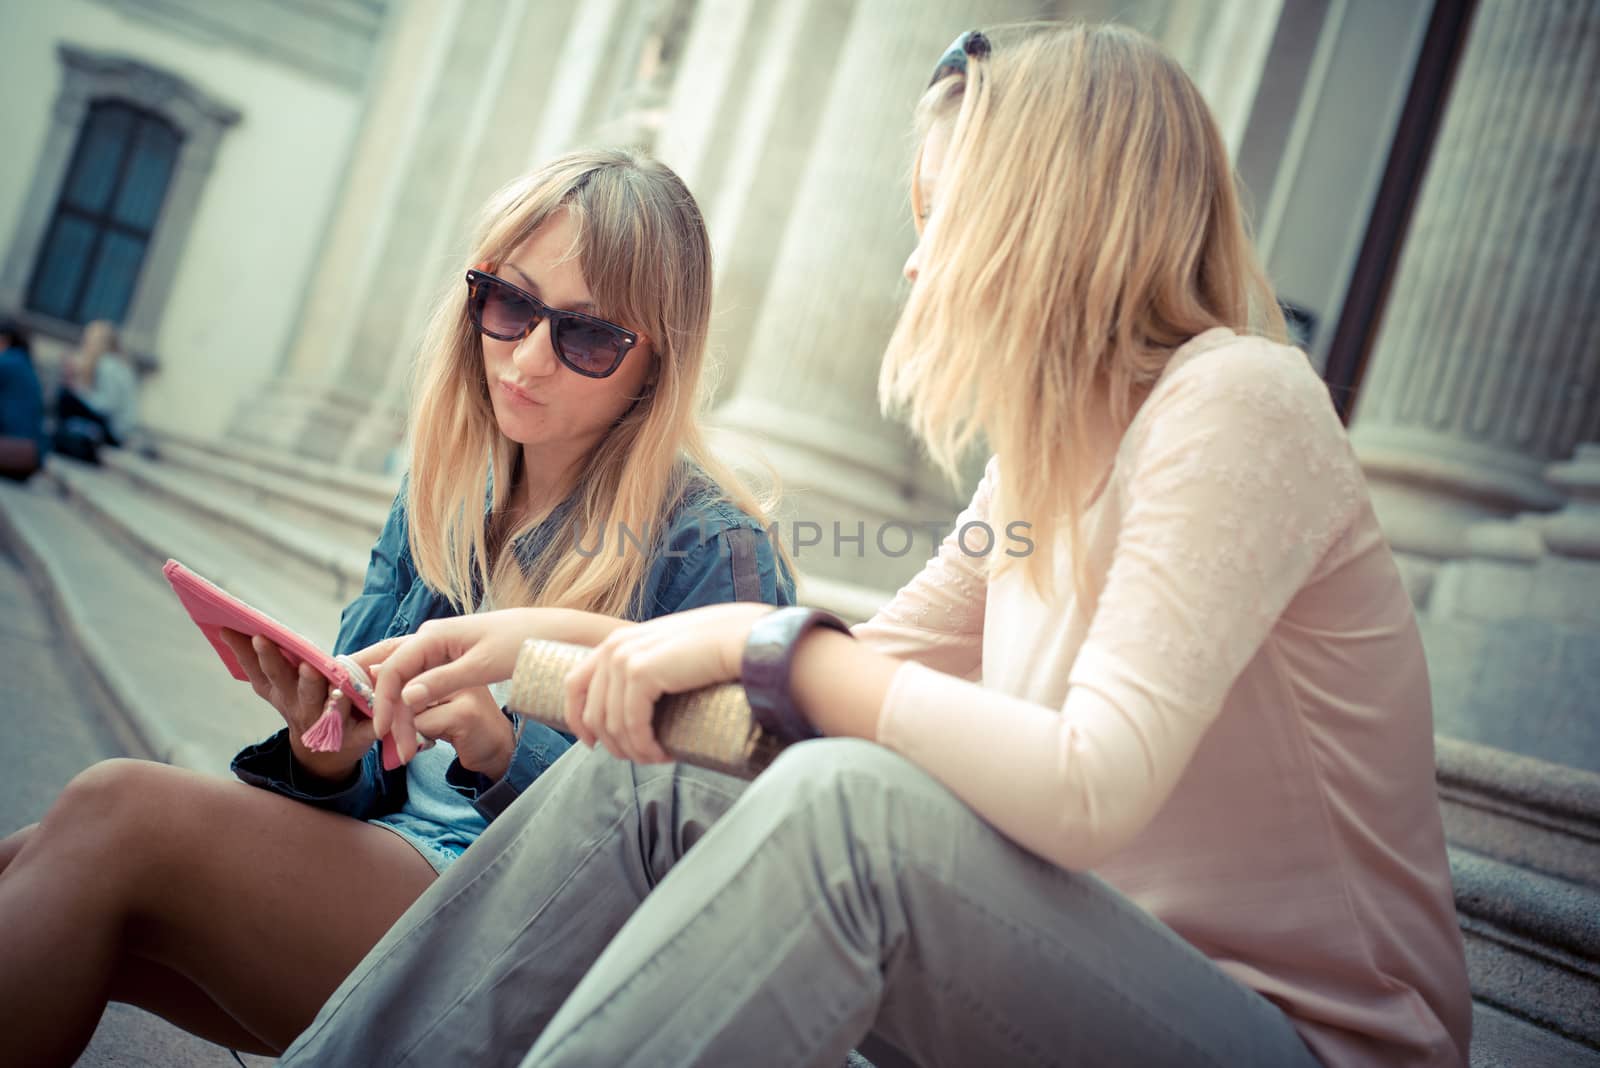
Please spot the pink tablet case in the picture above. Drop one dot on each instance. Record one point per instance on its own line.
(212, 609)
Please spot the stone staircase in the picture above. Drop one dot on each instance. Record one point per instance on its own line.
(1525, 859)
(1524, 831)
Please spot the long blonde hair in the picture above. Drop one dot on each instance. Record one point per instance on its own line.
(644, 252)
(1088, 224)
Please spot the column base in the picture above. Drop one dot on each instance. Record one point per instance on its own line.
(376, 442)
(1575, 530)
(1428, 490)
(307, 418)
(1520, 570)
(837, 483)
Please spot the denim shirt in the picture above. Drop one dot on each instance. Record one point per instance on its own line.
(714, 553)
(21, 401)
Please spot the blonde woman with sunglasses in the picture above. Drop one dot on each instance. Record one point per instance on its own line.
(555, 408)
(1188, 814)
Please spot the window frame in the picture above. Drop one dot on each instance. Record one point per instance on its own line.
(200, 120)
(104, 220)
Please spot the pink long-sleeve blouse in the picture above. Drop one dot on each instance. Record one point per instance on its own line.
(1239, 735)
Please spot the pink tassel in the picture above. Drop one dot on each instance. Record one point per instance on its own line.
(327, 733)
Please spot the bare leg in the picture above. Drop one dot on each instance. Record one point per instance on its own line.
(262, 903)
(12, 844)
(19, 457)
(157, 988)
(171, 996)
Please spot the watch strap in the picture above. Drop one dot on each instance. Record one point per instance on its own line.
(768, 662)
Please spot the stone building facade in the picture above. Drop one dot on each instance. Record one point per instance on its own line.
(207, 191)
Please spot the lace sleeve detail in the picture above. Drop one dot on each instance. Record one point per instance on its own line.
(1241, 481)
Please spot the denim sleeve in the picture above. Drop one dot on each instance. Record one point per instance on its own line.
(271, 766)
(718, 563)
(372, 791)
(371, 616)
(21, 405)
(537, 748)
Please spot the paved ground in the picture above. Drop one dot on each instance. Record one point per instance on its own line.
(52, 732)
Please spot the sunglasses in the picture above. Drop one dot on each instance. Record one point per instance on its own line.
(589, 346)
(954, 61)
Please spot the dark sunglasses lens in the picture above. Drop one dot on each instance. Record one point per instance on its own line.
(502, 312)
(589, 348)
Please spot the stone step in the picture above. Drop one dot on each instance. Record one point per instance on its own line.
(1533, 945)
(1487, 675)
(147, 657)
(1520, 810)
(325, 565)
(353, 485)
(1501, 1040)
(355, 518)
(1525, 860)
(151, 529)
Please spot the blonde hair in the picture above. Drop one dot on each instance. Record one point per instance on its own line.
(1088, 224)
(643, 250)
(99, 339)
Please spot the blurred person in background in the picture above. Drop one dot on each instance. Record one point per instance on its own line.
(22, 434)
(99, 396)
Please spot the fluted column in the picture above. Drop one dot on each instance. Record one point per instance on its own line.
(807, 394)
(769, 131)
(637, 105)
(308, 407)
(1487, 365)
(719, 64)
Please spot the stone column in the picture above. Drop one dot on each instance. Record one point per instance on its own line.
(807, 395)
(309, 407)
(719, 63)
(1485, 370)
(1223, 45)
(744, 159)
(638, 98)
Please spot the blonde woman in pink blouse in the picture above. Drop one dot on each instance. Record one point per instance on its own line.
(1160, 792)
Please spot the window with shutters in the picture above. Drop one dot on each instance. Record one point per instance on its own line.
(114, 194)
(106, 213)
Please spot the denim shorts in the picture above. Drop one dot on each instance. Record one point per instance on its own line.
(437, 821)
(438, 849)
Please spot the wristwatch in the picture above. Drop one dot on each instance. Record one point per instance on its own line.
(767, 663)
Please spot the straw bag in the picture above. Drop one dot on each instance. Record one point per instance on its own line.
(711, 727)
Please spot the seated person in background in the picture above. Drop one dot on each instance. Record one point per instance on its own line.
(99, 395)
(22, 439)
